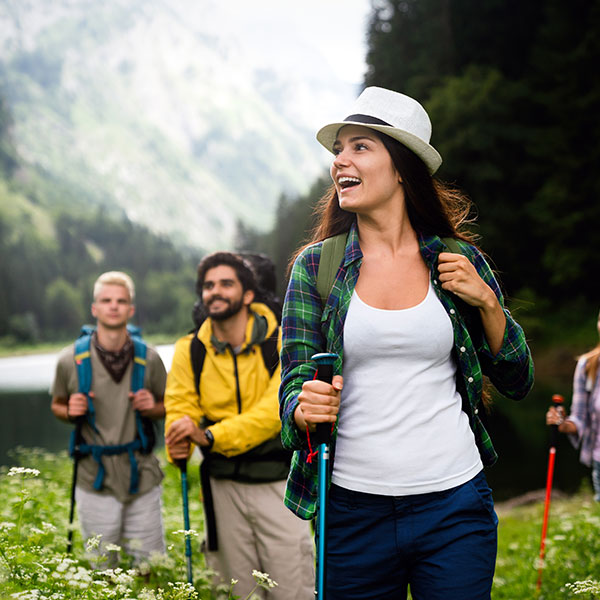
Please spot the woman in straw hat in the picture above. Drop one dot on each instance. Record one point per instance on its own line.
(415, 326)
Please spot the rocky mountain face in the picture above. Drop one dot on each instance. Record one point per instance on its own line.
(165, 109)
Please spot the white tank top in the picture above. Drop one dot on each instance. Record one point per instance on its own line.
(401, 427)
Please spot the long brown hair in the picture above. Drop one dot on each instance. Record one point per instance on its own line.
(433, 207)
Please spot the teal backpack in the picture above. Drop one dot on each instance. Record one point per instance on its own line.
(145, 435)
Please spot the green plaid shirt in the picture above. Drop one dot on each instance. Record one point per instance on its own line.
(308, 329)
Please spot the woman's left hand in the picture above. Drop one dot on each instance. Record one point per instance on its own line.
(458, 275)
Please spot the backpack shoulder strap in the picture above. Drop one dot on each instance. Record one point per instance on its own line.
(270, 352)
(332, 253)
(452, 245)
(197, 354)
(138, 371)
(139, 363)
(83, 365)
(83, 362)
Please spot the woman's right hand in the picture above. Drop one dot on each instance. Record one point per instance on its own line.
(318, 402)
(555, 416)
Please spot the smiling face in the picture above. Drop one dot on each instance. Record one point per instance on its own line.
(363, 172)
(112, 306)
(222, 293)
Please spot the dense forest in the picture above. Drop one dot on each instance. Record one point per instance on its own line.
(515, 105)
(515, 109)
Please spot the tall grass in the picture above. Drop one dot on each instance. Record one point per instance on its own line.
(571, 567)
(34, 565)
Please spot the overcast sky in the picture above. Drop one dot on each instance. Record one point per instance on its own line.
(336, 27)
(277, 30)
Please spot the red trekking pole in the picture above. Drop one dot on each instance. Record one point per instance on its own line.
(557, 401)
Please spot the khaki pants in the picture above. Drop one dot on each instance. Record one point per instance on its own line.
(136, 526)
(257, 532)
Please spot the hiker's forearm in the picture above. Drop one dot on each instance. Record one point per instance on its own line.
(60, 409)
(567, 427)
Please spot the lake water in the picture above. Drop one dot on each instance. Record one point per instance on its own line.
(517, 428)
(36, 371)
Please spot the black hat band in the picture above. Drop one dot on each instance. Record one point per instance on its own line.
(367, 120)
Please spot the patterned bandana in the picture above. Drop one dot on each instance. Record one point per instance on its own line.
(116, 363)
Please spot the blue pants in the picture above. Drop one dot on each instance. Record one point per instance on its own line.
(443, 544)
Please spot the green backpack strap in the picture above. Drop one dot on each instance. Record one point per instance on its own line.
(332, 253)
(452, 245)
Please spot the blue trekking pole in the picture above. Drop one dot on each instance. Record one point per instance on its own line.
(325, 363)
(182, 464)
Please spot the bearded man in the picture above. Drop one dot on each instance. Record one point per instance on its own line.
(222, 396)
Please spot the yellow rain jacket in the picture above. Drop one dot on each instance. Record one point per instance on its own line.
(238, 398)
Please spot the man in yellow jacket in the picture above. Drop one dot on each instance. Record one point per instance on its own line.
(221, 395)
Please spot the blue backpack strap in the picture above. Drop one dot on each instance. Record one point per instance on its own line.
(83, 364)
(137, 382)
(139, 363)
(97, 452)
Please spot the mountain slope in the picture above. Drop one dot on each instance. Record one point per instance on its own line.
(153, 108)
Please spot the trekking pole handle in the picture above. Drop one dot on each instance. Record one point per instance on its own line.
(325, 362)
(557, 402)
(181, 463)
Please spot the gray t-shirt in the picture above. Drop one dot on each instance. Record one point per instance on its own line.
(115, 422)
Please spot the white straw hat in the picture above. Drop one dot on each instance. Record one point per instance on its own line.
(394, 114)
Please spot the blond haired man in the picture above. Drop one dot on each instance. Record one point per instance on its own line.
(118, 488)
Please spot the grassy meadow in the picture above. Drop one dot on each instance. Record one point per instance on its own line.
(34, 565)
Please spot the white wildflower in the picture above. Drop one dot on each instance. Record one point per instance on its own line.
(182, 590)
(186, 532)
(28, 595)
(263, 579)
(64, 564)
(588, 586)
(158, 559)
(93, 542)
(112, 548)
(13, 471)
